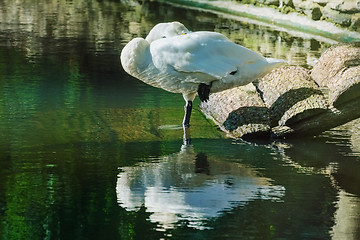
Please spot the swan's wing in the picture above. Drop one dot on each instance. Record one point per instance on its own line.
(204, 55)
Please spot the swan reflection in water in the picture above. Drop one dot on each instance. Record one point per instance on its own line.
(190, 187)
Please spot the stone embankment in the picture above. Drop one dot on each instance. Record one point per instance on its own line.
(293, 101)
(337, 20)
(345, 13)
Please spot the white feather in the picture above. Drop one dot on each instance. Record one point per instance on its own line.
(177, 60)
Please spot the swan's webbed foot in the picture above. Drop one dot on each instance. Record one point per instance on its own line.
(187, 108)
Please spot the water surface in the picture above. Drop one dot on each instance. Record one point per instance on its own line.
(88, 152)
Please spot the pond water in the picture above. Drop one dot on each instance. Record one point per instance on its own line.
(86, 151)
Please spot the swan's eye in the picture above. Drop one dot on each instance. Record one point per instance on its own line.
(163, 36)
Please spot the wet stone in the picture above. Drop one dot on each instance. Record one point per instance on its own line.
(240, 112)
(291, 95)
(338, 69)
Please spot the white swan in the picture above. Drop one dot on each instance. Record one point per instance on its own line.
(179, 61)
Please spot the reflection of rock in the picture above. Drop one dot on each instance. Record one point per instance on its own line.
(353, 128)
(190, 187)
(96, 21)
(347, 217)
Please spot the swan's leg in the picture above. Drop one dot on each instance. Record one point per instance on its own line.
(189, 98)
(204, 91)
(187, 108)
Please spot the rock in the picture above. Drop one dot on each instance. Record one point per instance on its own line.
(338, 69)
(322, 3)
(288, 102)
(240, 112)
(336, 16)
(315, 13)
(310, 8)
(355, 22)
(288, 3)
(345, 6)
(291, 95)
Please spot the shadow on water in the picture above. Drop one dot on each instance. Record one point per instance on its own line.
(87, 152)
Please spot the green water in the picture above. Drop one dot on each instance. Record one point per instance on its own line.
(88, 152)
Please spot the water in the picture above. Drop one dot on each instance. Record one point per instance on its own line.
(87, 152)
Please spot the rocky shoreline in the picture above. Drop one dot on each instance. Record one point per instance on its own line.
(293, 101)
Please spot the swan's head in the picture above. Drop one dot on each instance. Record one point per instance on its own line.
(166, 30)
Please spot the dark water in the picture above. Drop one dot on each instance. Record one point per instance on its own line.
(87, 152)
